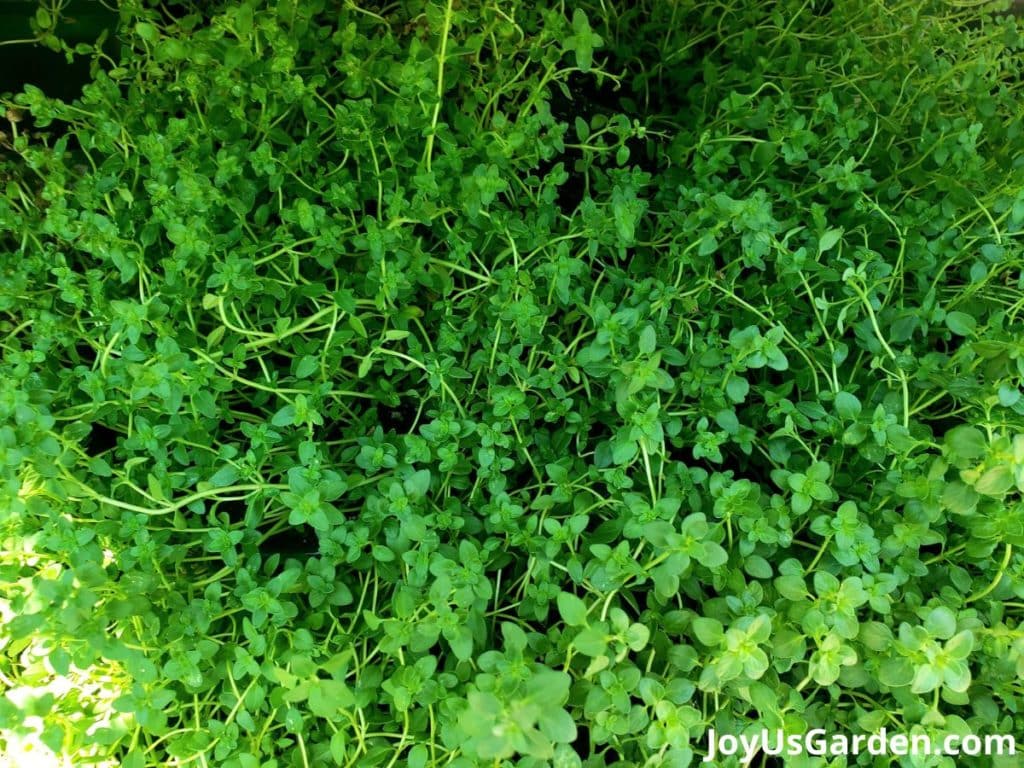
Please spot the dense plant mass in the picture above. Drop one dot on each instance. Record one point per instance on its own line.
(455, 384)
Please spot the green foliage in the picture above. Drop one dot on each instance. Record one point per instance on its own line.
(506, 384)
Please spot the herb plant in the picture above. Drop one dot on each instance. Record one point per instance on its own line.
(448, 384)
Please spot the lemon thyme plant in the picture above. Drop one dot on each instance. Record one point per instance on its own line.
(447, 384)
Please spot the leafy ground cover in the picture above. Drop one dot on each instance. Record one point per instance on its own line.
(512, 384)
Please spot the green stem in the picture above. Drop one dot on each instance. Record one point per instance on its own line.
(995, 582)
(429, 149)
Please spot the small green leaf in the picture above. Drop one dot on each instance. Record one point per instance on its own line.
(572, 609)
(364, 366)
(896, 673)
(591, 641)
(714, 555)
(146, 31)
(959, 646)
(996, 481)
(225, 476)
(824, 671)
(957, 677)
(100, 467)
(637, 637)
(708, 245)
(648, 340)
(624, 450)
(327, 697)
(582, 129)
(829, 239)
(961, 323)
(306, 366)
(959, 498)
(709, 631)
(558, 726)
(737, 389)
(792, 587)
(757, 567)
(284, 417)
(357, 325)
(967, 442)
(926, 678)
(337, 747)
(941, 623)
(156, 489)
(583, 41)
(847, 406)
